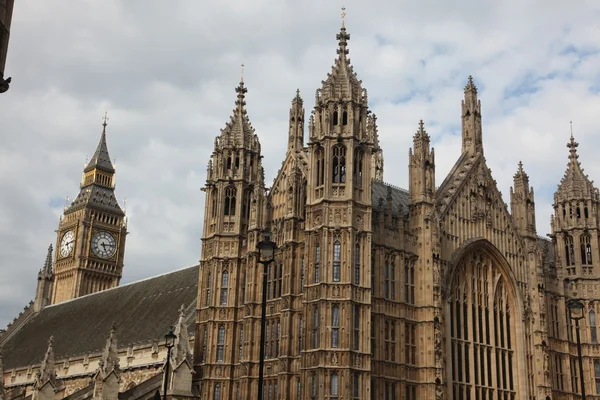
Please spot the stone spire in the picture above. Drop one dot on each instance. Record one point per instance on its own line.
(47, 372)
(342, 83)
(421, 167)
(238, 130)
(575, 184)
(181, 351)
(43, 294)
(296, 135)
(522, 204)
(97, 185)
(471, 119)
(110, 357)
(106, 380)
(101, 158)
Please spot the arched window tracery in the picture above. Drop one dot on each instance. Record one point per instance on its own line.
(339, 164)
(482, 335)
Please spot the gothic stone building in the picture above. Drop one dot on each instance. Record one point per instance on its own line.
(440, 291)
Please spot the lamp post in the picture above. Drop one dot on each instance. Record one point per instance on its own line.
(169, 343)
(266, 255)
(576, 313)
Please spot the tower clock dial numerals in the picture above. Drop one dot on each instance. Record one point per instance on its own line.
(104, 244)
(67, 243)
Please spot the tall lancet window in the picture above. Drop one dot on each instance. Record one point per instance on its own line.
(586, 250)
(482, 333)
(224, 287)
(230, 201)
(320, 166)
(357, 170)
(569, 251)
(339, 164)
(337, 257)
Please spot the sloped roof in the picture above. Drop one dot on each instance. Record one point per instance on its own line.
(101, 158)
(98, 197)
(399, 196)
(143, 311)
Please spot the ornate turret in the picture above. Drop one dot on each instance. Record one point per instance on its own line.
(471, 119)
(421, 168)
(522, 204)
(296, 136)
(45, 383)
(575, 223)
(43, 294)
(106, 380)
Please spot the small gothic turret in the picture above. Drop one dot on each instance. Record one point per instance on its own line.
(522, 204)
(575, 223)
(296, 136)
(181, 359)
(471, 119)
(106, 380)
(43, 294)
(421, 166)
(45, 383)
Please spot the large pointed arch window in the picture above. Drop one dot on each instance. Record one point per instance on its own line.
(339, 164)
(483, 357)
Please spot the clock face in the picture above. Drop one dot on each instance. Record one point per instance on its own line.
(104, 244)
(67, 243)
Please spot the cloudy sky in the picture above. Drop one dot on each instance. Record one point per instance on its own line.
(166, 73)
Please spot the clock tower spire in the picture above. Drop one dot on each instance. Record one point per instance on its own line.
(91, 232)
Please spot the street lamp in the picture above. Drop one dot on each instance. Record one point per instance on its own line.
(169, 343)
(576, 313)
(266, 255)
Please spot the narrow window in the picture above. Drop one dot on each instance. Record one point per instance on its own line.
(335, 118)
(221, 343)
(356, 386)
(393, 280)
(386, 279)
(237, 161)
(358, 165)
(357, 263)
(585, 212)
(315, 328)
(339, 164)
(207, 300)
(228, 162)
(317, 263)
(597, 375)
(344, 118)
(218, 391)
(356, 329)
(335, 326)
(302, 268)
(337, 255)
(224, 287)
(593, 330)
(204, 340)
(241, 344)
(334, 386)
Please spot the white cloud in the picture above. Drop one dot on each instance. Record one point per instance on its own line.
(166, 73)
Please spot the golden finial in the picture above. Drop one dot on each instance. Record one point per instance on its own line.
(343, 15)
(242, 72)
(571, 123)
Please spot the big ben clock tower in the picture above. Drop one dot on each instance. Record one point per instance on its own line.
(91, 233)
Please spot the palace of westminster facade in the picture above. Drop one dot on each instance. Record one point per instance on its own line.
(435, 292)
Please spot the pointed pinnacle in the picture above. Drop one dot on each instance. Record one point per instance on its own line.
(470, 85)
(48, 263)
